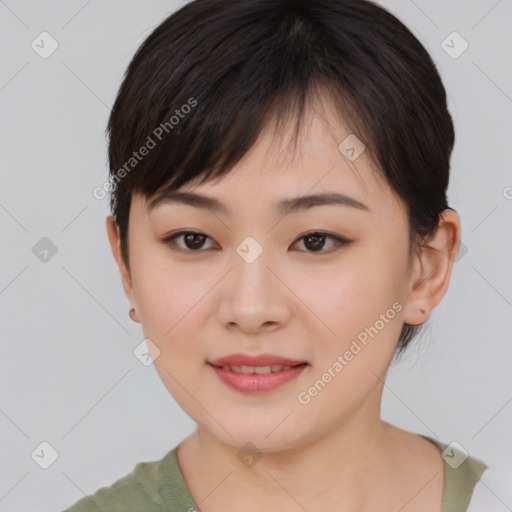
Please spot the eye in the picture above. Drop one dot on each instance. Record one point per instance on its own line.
(194, 241)
(316, 241)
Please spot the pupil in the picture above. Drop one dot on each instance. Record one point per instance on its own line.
(316, 244)
(190, 238)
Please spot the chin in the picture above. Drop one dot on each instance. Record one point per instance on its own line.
(246, 433)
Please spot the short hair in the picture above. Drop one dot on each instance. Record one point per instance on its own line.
(204, 84)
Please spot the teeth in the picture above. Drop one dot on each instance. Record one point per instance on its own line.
(261, 370)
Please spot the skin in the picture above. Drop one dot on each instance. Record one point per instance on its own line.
(333, 453)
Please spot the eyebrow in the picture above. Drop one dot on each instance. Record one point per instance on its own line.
(284, 206)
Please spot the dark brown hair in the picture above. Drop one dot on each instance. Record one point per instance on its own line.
(206, 81)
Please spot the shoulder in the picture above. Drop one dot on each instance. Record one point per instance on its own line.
(138, 490)
(493, 492)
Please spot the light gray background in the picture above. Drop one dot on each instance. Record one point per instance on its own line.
(68, 373)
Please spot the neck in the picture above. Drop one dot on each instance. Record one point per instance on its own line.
(348, 467)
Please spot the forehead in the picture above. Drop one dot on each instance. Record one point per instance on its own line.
(327, 158)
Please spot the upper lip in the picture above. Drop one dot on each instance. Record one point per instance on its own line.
(260, 360)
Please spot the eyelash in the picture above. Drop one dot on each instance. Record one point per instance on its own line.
(340, 242)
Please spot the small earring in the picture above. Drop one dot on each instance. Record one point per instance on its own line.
(132, 312)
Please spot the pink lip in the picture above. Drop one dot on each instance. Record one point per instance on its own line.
(253, 382)
(260, 360)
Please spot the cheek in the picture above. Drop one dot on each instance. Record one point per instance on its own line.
(169, 299)
(357, 337)
(169, 302)
(350, 294)
(357, 313)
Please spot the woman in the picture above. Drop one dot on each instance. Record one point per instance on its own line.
(279, 172)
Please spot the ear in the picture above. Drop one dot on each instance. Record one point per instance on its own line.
(114, 236)
(432, 269)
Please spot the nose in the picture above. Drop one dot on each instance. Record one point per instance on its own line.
(254, 297)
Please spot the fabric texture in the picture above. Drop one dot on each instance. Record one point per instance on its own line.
(159, 486)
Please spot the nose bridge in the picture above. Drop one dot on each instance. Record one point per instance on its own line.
(252, 296)
(251, 275)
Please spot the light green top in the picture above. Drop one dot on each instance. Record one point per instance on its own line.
(160, 486)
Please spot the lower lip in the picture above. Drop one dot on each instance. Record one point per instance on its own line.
(253, 382)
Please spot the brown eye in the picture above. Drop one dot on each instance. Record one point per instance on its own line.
(192, 241)
(315, 242)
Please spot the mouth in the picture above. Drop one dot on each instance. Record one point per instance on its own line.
(257, 379)
(259, 370)
(255, 361)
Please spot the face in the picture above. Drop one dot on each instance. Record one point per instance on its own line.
(326, 284)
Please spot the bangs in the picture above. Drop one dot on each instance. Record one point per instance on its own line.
(204, 106)
(285, 114)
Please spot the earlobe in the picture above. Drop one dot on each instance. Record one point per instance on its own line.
(432, 269)
(415, 312)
